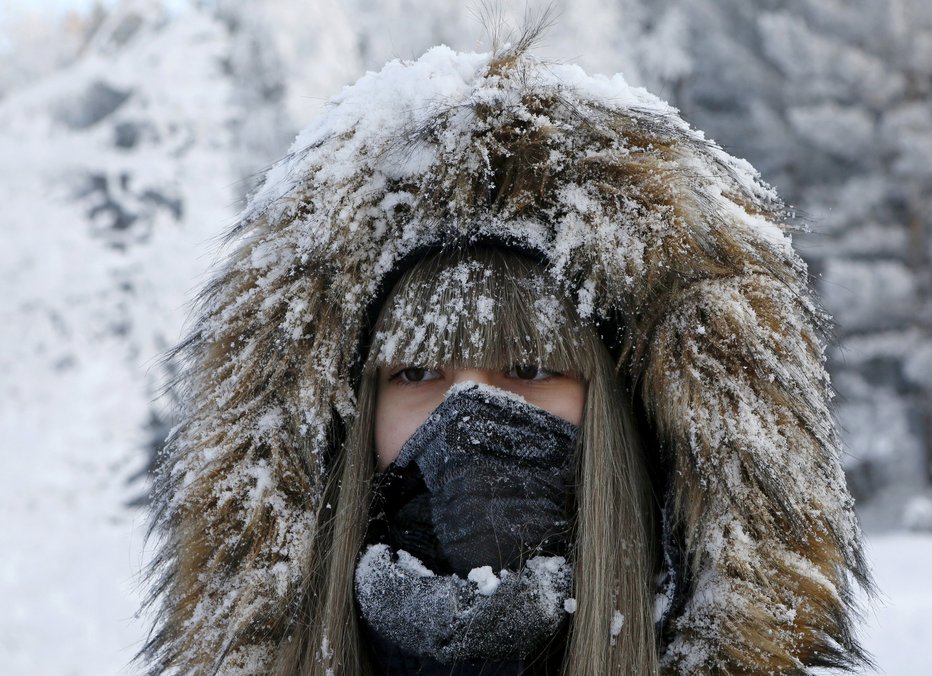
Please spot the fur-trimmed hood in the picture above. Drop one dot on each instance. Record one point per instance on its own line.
(650, 227)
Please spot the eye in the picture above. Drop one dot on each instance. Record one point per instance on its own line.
(530, 372)
(414, 374)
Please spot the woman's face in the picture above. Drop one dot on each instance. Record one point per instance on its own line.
(407, 394)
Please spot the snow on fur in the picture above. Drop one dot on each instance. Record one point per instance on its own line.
(640, 219)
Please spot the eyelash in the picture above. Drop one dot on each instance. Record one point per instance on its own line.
(397, 378)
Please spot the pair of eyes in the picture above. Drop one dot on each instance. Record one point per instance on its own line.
(420, 374)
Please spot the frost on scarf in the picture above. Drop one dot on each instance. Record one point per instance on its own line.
(484, 616)
(640, 220)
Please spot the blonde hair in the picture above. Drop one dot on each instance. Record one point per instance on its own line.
(493, 308)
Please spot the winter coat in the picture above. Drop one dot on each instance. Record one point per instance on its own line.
(654, 230)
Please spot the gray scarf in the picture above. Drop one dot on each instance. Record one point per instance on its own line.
(466, 556)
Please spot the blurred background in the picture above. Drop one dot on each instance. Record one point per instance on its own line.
(132, 130)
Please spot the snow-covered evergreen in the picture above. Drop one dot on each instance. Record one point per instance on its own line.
(832, 101)
(114, 174)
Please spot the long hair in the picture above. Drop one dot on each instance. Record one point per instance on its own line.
(492, 308)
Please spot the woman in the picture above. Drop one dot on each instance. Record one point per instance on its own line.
(485, 482)
(479, 221)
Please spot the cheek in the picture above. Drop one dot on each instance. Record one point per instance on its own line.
(565, 400)
(575, 401)
(395, 422)
(387, 437)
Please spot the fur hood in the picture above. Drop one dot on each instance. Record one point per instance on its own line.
(654, 231)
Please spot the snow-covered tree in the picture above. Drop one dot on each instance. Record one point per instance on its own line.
(115, 173)
(832, 101)
(34, 44)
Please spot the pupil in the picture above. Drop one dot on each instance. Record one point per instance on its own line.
(526, 371)
(414, 374)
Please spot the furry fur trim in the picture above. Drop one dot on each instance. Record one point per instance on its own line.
(649, 226)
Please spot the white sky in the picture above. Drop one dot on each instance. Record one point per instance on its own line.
(7, 6)
(13, 7)
(52, 5)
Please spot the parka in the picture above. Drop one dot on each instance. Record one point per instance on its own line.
(679, 252)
